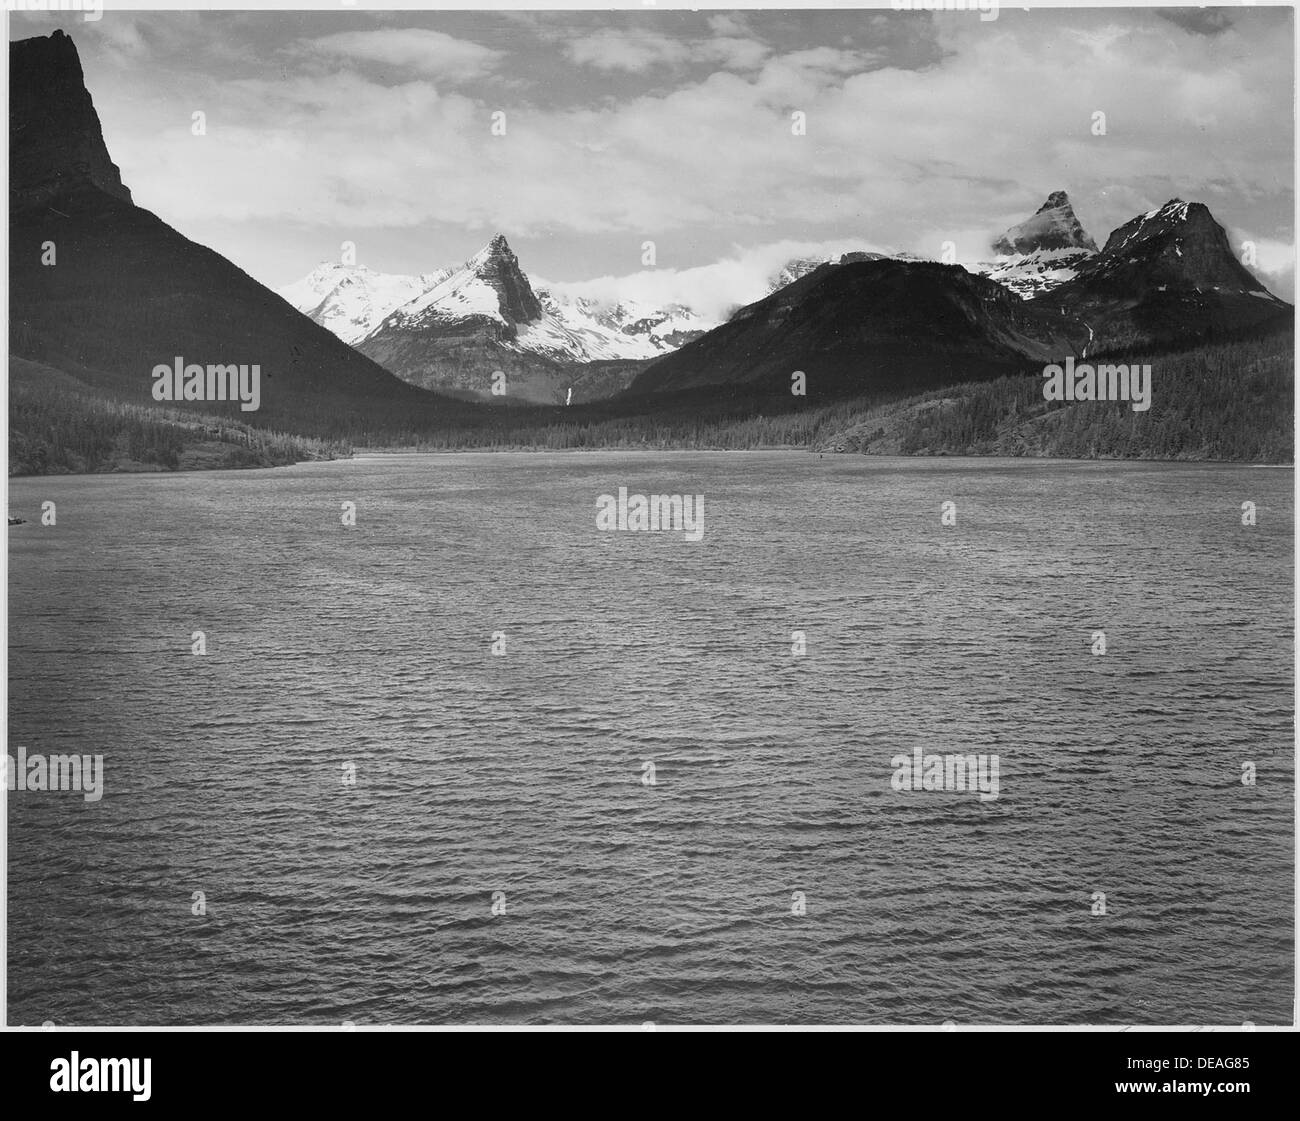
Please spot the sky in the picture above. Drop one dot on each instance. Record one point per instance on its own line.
(679, 128)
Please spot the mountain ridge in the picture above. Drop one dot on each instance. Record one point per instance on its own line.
(56, 141)
(129, 292)
(1168, 276)
(423, 327)
(868, 324)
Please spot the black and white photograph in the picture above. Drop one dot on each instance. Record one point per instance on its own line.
(650, 517)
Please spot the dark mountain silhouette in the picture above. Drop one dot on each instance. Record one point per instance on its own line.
(865, 325)
(104, 290)
(56, 144)
(1167, 277)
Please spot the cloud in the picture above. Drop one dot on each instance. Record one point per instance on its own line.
(125, 39)
(1198, 21)
(623, 50)
(411, 50)
(729, 23)
(634, 51)
(1275, 262)
(959, 149)
(713, 290)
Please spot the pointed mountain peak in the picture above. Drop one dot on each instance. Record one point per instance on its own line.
(56, 144)
(1177, 246)
(497, 266)
(1053, 226)
(1195, 216)
(490, 284)
(496, 249)
(1056, 200)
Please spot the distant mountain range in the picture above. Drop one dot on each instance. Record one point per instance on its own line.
(1166, 278)
(862, 325)
(101, 291)
(454, 328)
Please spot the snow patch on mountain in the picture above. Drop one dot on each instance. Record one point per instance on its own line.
(798, 267)
(1054, 226)
(614, 328)
(490, 285)
(1040, 253)
(352, 300)
(1031, 274)
(1151, 224)
(553, 320)
(458, 296)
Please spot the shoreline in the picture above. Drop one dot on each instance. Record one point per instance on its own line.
(407, 453)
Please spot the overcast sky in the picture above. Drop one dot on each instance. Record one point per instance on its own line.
(675, 127)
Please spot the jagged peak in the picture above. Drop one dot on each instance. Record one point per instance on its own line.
(56, 143)
(1053, 226)
(1174, 207)
(1144, 226)
(491, 282)
(57, 42)
(497, 249)
(1176, 246)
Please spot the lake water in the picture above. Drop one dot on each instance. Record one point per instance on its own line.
(372, 901)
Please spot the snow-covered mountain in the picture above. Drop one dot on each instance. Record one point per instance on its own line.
(1031, 274)
(489, 285)
(454, 329)
(1054, 226)
(798, 267)
(1032, 257)
(611, 329)
(488, 297)
(485, 316)
(793, 269)
(1042, 252)
(1169, 276)
(1179, 244)
(352, 300)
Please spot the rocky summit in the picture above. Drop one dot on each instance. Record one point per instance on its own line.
(55, 141)
(498, 268)
(1167, 277)
(1054, 226)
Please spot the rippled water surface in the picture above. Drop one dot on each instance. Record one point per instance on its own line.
(523, 773)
